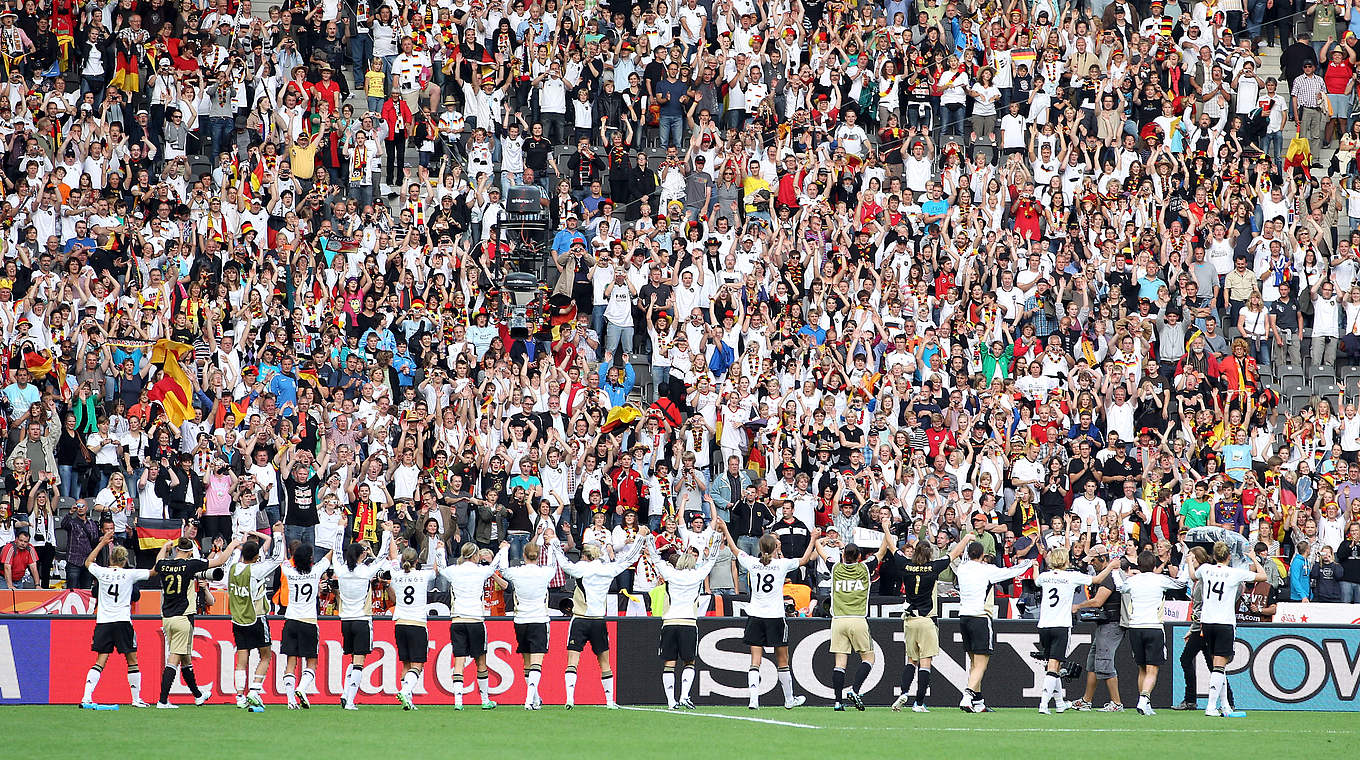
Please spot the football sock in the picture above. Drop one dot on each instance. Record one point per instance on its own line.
(91, 681)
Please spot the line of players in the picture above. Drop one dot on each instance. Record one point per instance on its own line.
(250, 563)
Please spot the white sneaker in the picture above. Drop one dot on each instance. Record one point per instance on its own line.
(1043, 710)
(611, 705)
(139, 703)
(204, 694)
(254, 700)
(240, 701)
(1146, 710)
(798, 701)
(920, 709)
(166, 706)
(899, 703)
(1062, 707)
(685, 704)
(351, 706)
(1213, 713)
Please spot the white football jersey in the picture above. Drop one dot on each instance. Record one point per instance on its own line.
(304, 590)
(1219, 585)
(1144, 597)
(767, 584)
(354, 589)
(467, 583)
(1057, 588)
(410, 589)
(115, 592)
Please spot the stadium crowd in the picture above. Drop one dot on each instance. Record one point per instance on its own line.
(1049, 273)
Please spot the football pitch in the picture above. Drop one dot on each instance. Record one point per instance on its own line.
(379, 731)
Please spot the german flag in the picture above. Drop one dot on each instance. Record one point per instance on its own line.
(173, 390)
(152, 534)
(1300, 153)
(309, 376)
(620, 416)
(38, 365)
(756, 462)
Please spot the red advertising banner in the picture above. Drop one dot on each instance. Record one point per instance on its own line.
(215, 663)
(79, 602)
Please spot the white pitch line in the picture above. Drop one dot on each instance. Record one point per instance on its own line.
(721, 717)
(1000, 729)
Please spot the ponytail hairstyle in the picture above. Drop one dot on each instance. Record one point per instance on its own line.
(1221, 553)
(302, 558)
(531, 553)
(118, 557)
(923, 552)
(469, 553)
(590, 551)
(1058, 559)
(409, 559)
(768, 546)
(684, 560)
(352, 555)
(1199, 554)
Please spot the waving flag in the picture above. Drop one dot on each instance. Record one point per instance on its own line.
(1300, 153)
(620, 416)
(173, 390)
(38, 365)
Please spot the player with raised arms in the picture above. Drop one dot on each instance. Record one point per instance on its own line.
(354, 590)
(530, 583)
(1144, 595)
(178, 573)
(975, 579)
(301, 637)
(920, 629)
(1220, 584)
(113, 629)
(679, 644)
(850, 580)
(248, 603)
(1057, 587)
(467, 628)
(766, 625)
(410, 615)
(589, 605)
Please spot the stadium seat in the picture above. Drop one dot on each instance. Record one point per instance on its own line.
(1285, 382)
(1323, 384)
(1350, 377)
(1299, 401)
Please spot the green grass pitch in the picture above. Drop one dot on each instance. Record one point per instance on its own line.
(379, 730)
